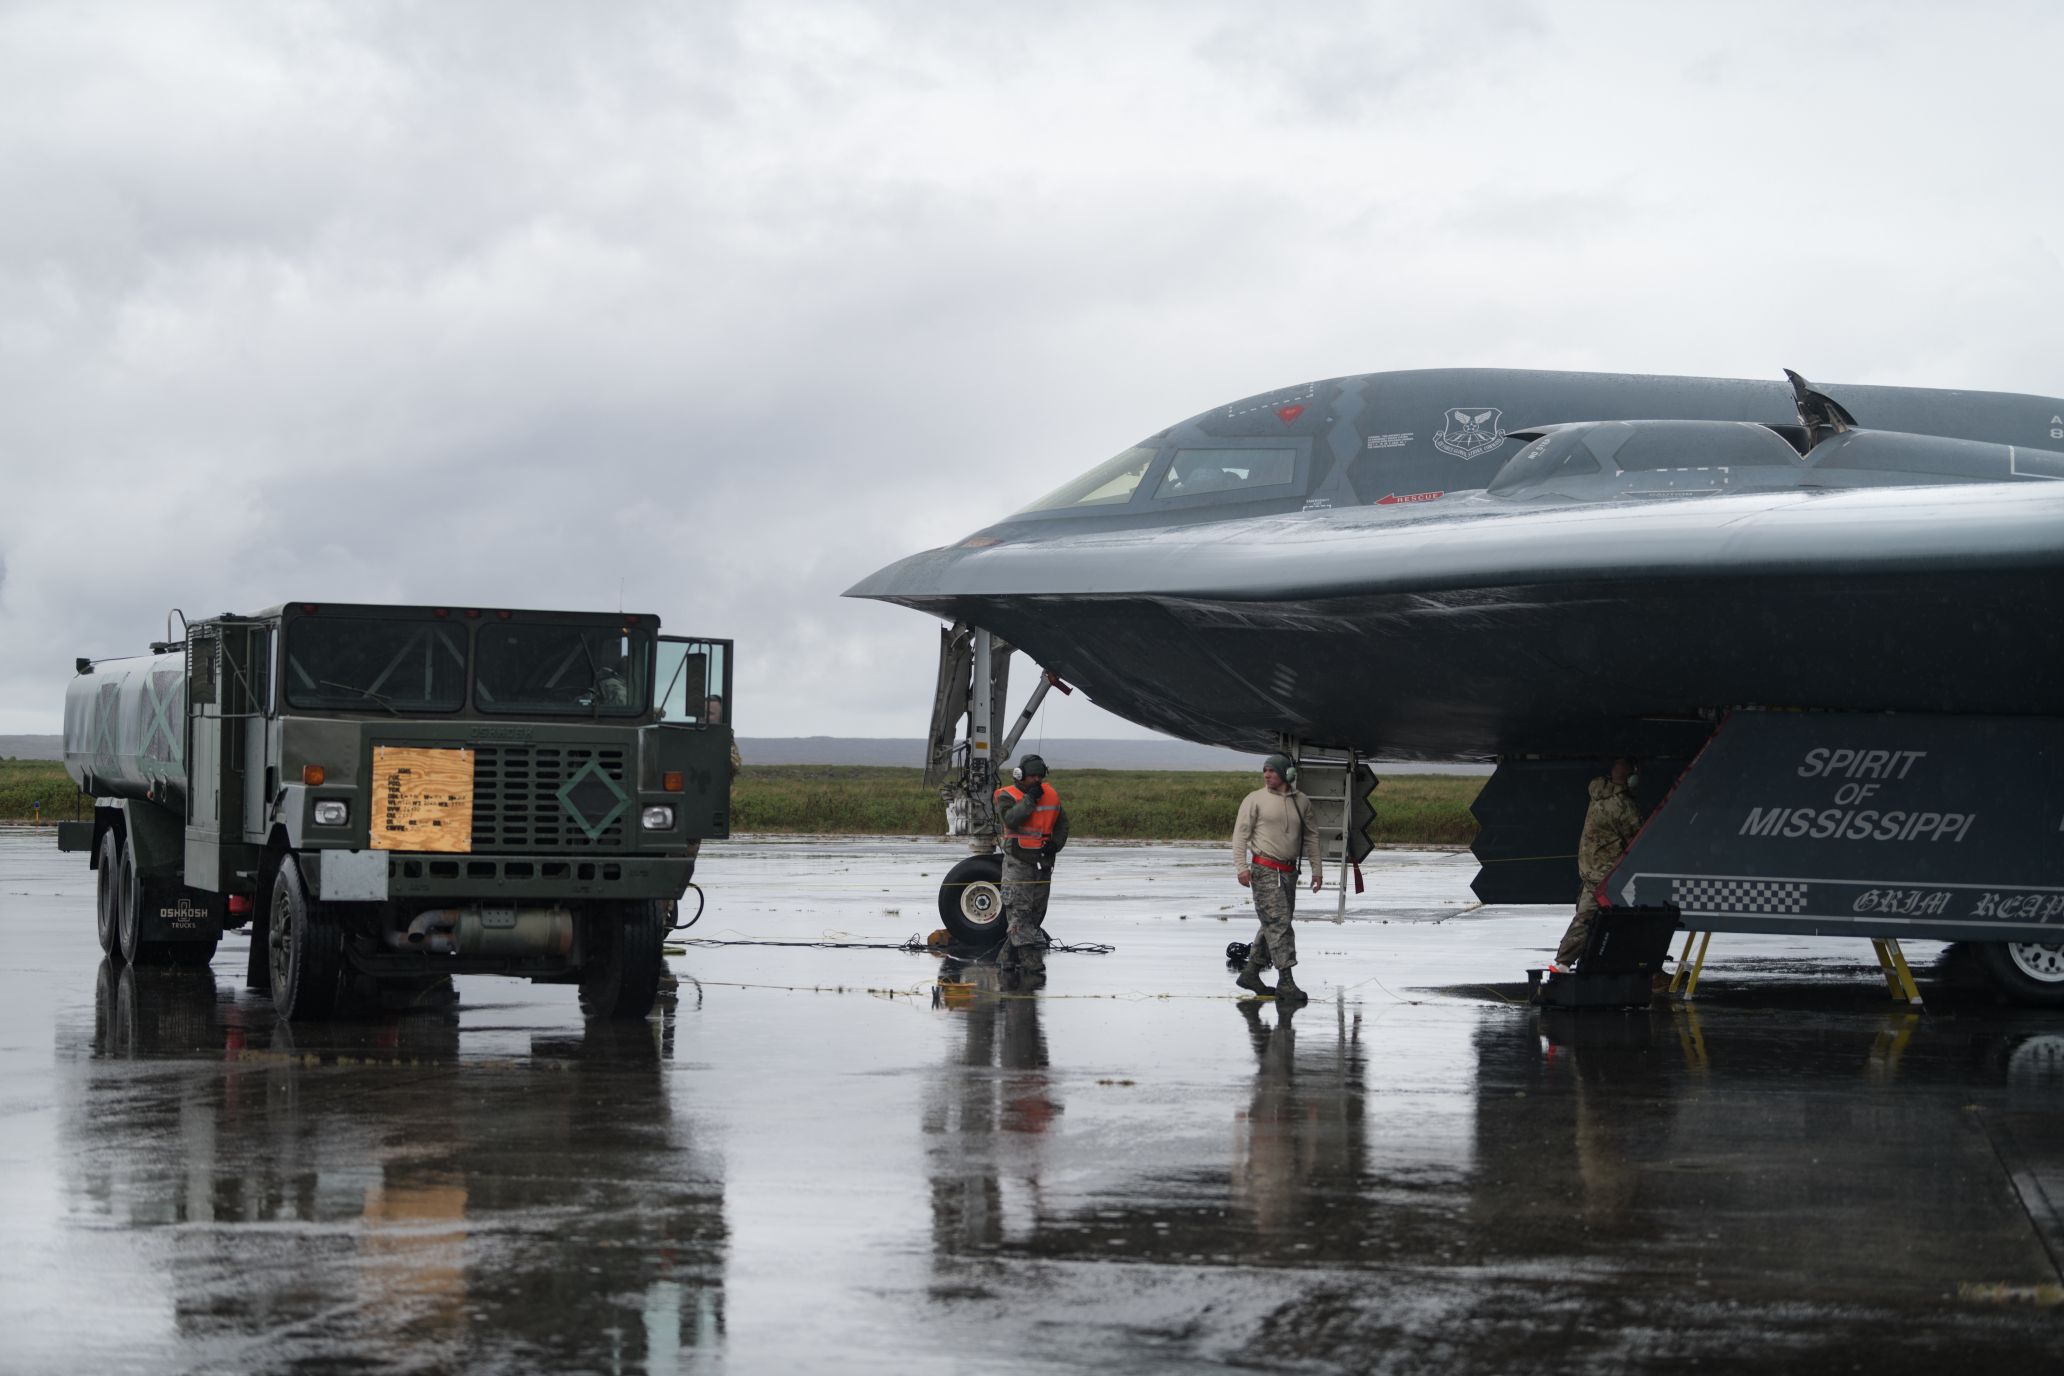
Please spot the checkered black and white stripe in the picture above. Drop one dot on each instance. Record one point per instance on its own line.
(1737, 896)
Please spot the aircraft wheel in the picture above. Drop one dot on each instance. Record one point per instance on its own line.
(2027, 971)
(619, 974)
(304, 949)
(971, 901)
(107, 896)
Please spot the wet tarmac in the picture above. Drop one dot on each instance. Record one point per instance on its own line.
(821, 1159)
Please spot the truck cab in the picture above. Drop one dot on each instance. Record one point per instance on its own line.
(393, 793)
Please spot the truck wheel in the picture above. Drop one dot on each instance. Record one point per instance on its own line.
(141, 894)
(107, 896)
(619, 975)
(304, 949)
(971, 901)
(2026, 971)
(130, 896)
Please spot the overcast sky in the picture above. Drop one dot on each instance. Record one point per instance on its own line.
(712, 309)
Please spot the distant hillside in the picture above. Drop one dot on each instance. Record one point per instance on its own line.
(1060, 754)
(31, 747)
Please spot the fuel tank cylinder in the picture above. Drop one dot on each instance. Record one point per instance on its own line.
(125, 728)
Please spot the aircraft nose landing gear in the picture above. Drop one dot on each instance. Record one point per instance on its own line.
(974, 677)
(971, 901)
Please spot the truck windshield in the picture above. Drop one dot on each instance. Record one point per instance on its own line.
(578, 670)
(358, 665)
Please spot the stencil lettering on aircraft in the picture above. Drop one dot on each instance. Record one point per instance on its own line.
(1860, 776)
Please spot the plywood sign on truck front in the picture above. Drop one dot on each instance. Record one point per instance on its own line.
(422, 799)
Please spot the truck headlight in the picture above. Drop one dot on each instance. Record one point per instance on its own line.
(332, 812)
(658, 819)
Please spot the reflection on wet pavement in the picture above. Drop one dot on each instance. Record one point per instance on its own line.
(876, 1160)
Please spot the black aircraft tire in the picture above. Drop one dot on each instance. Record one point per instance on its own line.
(107, 896)
(304, 949)
(2026, 972)
(971, 901)
(619, 975)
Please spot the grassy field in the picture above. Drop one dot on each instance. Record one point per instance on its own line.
(23, 782)
(1141, 805)
(1144, 805)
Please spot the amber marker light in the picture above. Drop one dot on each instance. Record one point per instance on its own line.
(671, 781)
(312, 775)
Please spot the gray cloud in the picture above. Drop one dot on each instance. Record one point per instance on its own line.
(726, 306)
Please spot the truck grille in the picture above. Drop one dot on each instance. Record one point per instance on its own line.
(549, 798)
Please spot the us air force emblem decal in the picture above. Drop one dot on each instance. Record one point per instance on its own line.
(1469, 431)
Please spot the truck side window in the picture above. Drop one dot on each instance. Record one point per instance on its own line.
(691, 679)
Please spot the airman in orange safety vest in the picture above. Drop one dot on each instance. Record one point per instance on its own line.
(1035, 827)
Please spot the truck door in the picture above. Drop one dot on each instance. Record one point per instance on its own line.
(693, 698)
(227, 686)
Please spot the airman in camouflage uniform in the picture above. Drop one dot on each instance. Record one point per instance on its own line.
(1035, 827)
(1274, 830)
(1609, 826)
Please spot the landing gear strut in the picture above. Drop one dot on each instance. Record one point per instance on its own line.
(974, 680)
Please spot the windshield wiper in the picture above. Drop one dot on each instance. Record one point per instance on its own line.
(362, 692)
(594, 703)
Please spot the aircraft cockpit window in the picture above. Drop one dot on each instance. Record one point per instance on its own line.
(1563, 454)
(1657, 444)
(1110, 483)
(1194, 472)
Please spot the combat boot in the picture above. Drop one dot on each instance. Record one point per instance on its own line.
(1287, 990)
(1250, 978)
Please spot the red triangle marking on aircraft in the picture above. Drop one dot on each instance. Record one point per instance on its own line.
(1289, 413)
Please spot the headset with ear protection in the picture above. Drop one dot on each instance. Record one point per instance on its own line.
(1017, 773)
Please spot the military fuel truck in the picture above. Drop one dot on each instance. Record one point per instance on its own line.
(390, 794)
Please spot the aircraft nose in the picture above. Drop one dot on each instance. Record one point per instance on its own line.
(914, 576)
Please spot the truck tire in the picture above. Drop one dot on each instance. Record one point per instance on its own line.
(107, 896)
(2027, 972)
(619, 975)
(304, 949)
(140, 894)
(971, 901)
(130, 896)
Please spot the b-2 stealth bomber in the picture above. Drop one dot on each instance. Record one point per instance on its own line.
(1547, 569)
